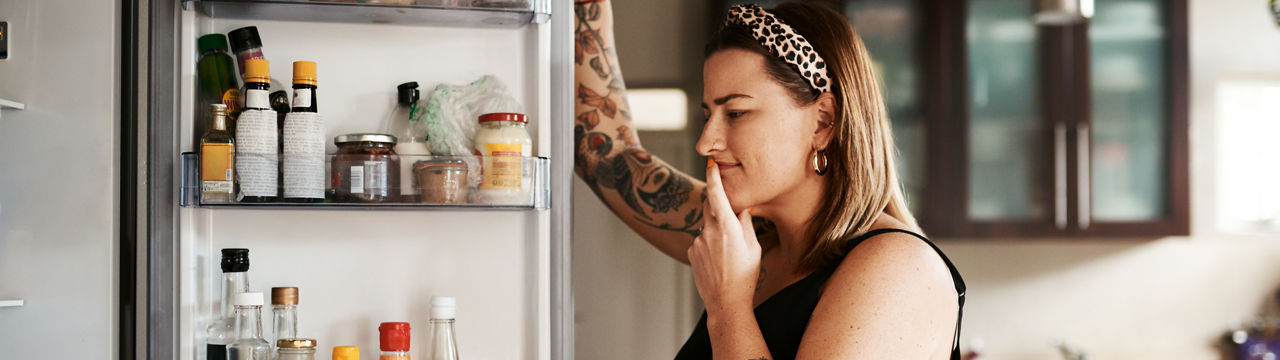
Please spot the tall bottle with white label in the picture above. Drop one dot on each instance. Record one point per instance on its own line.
(304, 140)
(217, 160)
(257, 153)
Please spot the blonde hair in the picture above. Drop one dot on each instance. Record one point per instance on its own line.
(862, 179)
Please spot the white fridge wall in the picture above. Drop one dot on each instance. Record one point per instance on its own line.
(356, 268)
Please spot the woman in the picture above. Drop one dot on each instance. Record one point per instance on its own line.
(797, 137)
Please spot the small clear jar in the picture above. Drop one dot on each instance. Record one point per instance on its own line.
(365, 169)
(503, 141)
(443, 180)
(296, 349)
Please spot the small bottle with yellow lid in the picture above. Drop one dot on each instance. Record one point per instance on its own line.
(346, 353)
(303, 140)
(258, 156)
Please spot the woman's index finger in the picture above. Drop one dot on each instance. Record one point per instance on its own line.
(717, 201)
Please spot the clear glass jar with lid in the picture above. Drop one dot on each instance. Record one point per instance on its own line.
(503, 142)
(365, 169)
(296, 349)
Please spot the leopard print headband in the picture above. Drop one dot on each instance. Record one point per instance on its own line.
(784, 42)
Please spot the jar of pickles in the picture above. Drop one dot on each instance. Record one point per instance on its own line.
(365, 169)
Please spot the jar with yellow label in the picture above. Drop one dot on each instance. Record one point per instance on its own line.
(502, 142)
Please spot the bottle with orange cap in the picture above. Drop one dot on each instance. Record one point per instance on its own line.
(303, 139)
(257, 156)
(393, 340)
(346, 353)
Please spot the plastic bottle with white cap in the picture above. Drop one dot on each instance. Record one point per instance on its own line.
(441, 344)
(249, 343)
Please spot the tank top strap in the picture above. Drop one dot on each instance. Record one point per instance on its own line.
(955, 275)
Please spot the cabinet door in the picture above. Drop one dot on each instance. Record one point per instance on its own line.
(1132, 147)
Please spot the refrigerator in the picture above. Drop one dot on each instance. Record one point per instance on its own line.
(357, 266)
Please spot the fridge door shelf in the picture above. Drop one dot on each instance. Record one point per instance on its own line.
(460, 13)
(533, 191)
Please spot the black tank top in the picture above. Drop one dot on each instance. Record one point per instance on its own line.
(784, 316)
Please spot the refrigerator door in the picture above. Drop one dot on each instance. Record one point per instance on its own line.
(356, 268)
(59, 233)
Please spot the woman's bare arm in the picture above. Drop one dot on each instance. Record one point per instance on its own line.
(659, 202)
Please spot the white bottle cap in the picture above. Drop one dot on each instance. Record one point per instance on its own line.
(249, 299)
(443, 307)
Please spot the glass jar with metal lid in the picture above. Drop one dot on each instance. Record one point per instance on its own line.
(296, 349)
(365, 169)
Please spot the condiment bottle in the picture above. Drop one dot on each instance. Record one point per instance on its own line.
(503, 141)
(296, 349)
(346, 353)
(303, 139)
(393, 340)
(235, 280)
(247, 45)
(249, 343)
(441, 344)
(217, 160)
(257, 157)
(218, 82)
(412, 146)
(284, 310)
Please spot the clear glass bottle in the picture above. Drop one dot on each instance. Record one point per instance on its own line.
(393, 340)
(235, 280)
(249, 343)
(217, 159)
(412, 146)
(284, 310)
(441, 343)
(296, 349)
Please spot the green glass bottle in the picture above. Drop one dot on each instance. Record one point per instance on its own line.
(217, 81)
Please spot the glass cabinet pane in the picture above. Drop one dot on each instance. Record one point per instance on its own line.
(1129, 127)
(891, 30)
(1007, 133)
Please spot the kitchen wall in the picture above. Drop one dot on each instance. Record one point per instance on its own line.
(1170, 298)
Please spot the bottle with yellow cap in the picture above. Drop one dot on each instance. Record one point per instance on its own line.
(303, 140)
(346, 353)
(258, 153)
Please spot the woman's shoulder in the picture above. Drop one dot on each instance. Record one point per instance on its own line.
(892, 257)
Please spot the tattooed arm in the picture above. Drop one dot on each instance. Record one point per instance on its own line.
(659, 202)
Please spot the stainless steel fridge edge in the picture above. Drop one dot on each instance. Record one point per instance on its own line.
(562, 307)
(161, 206)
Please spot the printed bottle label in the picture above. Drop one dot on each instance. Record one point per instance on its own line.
(357, 179)
(503, 167)
(257, 160)
(303, 157)
(231, 98)
(216, 164)
(302, 98)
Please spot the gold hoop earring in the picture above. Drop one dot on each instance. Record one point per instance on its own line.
(819, 162)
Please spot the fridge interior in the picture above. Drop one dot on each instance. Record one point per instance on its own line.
(356, 268)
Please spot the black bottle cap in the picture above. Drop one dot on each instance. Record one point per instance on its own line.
(408, 93)
(244, 38)
(235, 260)
(280, 101)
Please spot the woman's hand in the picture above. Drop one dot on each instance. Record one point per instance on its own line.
(726, 256)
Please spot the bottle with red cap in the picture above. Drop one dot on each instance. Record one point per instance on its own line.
(393, 339)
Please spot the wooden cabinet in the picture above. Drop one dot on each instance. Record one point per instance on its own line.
(1007, 128)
